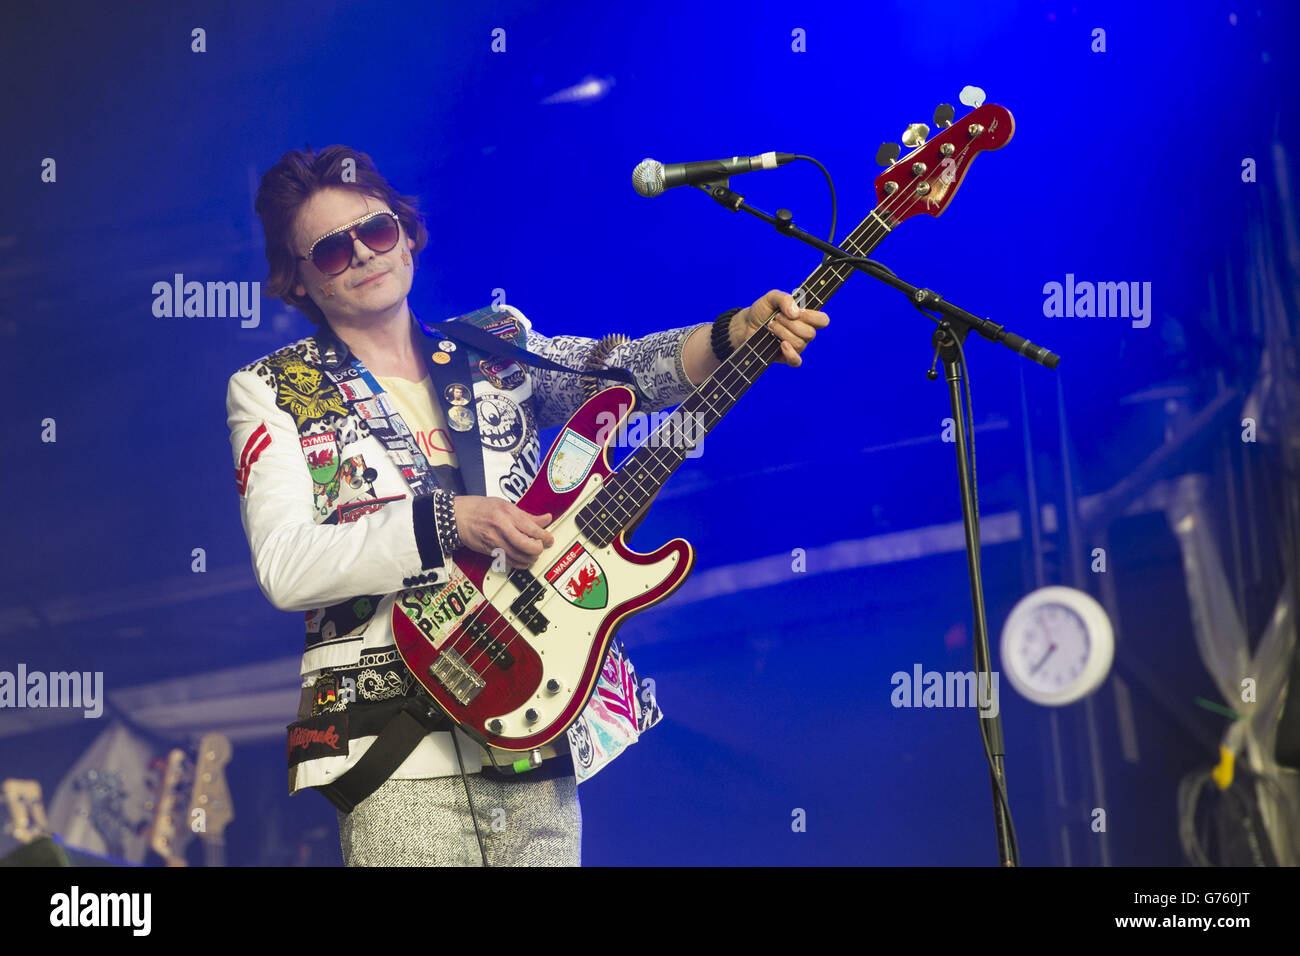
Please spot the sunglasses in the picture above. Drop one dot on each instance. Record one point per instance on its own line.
(332, 252)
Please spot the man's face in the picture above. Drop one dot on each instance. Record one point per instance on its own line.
(373, 282)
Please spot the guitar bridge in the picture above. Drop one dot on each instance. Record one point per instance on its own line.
(459, 679)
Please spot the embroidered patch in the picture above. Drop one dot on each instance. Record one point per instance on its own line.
(572, 461)
(359, 509)
(505, 374)
(326, 688)
(505, 328)
(355, 389)
(257, 443)
(323, 736)
(300, 390)
(321, 452)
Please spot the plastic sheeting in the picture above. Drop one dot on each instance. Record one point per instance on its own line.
(1222, 644)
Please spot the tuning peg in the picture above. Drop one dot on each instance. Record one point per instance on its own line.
(971, 96)
(887, 155)
(915, 135)
(943, 114)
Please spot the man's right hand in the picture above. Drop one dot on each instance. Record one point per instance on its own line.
(488, 523)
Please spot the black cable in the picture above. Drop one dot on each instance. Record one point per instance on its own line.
(464, 778)
(1014, 843)
(834, 203)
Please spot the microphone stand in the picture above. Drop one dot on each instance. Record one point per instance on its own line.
(947, 341)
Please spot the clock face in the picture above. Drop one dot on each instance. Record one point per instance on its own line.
(1057, 646)
(1050, 649)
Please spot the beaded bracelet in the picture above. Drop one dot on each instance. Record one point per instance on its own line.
(721, 339)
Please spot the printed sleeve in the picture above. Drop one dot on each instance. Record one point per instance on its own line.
(299, 564)
(655, 360)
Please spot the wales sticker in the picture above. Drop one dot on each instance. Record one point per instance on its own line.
(579, 579)
(572, 461)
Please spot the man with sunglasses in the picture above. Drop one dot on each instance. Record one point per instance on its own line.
(366, 455)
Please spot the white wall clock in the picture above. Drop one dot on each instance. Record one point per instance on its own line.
(1057, 646)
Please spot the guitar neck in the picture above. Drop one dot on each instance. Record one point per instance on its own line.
(214, 851)
(630, 489)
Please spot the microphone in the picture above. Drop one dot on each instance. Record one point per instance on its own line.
(651, 178)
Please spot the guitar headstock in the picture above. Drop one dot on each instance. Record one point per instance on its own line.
(26, 811)
(210, 801)
(193, 799)
(169, 835)
(926, 179)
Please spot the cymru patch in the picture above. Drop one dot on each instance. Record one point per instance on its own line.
(321, 452)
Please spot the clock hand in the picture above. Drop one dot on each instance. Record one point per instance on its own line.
(1042, 660)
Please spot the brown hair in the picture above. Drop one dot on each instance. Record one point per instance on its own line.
(300, 174)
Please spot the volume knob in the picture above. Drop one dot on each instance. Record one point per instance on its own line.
(530, 715)
(552, 686)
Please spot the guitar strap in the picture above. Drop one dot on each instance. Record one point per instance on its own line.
(400, 735)
(483, 341)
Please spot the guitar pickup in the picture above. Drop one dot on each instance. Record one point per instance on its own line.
(524, 607)
(496, 650)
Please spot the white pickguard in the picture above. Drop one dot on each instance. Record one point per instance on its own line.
(566, 642)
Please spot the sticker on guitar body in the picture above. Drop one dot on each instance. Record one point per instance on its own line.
(571, 463)
(438, 611)
(579, 579)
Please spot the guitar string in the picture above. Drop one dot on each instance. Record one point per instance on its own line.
(749, 346)
(872, 224)
(741, 366)
(869, 225)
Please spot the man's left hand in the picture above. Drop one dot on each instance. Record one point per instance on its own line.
(795, 327)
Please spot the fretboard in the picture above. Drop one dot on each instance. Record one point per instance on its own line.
(629, 490)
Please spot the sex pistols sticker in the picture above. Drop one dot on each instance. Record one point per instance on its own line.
(500, 423)
(572, 461)
(437, 611)
(579, 578)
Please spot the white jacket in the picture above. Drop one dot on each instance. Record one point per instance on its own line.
(341, 551)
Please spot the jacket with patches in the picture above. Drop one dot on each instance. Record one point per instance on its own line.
(333, 527)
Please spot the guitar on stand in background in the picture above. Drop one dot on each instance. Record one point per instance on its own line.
(193, 799)
(27, 825)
